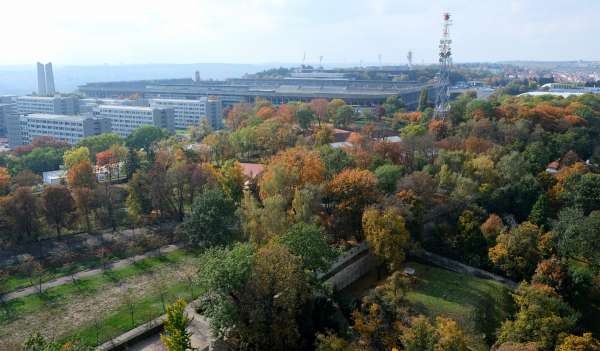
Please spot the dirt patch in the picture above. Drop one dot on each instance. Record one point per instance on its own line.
(60, 318)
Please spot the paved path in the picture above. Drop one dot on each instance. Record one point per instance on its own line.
(88, 273)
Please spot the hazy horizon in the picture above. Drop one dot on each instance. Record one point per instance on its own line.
(280, 31)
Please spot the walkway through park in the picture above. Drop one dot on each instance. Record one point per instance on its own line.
(87, 273)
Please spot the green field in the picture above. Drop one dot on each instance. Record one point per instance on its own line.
(479, 305)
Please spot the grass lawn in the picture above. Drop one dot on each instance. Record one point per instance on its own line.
(145, 309)
(479, 305)
(85, 286)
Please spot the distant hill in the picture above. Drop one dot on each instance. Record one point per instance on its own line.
(21, 79)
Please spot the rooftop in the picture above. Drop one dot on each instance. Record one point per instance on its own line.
(57, 117)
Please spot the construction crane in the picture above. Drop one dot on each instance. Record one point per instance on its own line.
(442, 100)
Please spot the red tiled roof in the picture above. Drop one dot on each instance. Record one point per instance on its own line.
(252, 170)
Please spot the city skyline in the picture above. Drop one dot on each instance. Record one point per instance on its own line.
(278, 31)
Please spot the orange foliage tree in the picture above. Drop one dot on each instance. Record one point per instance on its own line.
(81, 175)
(4, 180)
(349, 192)
(291, 169)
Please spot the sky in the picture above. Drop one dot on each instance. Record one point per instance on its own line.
(70, 32)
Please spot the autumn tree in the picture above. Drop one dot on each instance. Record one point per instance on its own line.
(541, 317)
(349, 192)
(387, 235)
(291, 169)
(586, 342)
(81, 174)
(271, 300)
(85, 202)
(22, 209)
(75, 156)
(492, 227)
(4, 181)
(516, 251)
(57, 205)
(319, 107)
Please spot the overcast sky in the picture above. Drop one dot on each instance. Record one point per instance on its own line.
(265, 31)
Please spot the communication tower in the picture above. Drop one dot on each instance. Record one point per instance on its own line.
(442, 102)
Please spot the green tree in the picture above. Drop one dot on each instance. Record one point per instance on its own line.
(308, 242)
(387, 177)
(344, 116)
(540, 212)
(144, 137)
(99, 143)
(74, 156)
(175, 336)
(423, 100)
(305, 117)
(212, 220)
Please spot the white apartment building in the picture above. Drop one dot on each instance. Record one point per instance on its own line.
(126, 119)
(24, 129)
(190, 113)
(58, 105)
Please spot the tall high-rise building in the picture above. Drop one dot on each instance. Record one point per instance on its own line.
(41, 78)
(49, 80)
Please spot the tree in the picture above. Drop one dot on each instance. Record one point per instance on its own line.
(85, 201)
(492, 227)
(541, 317)
(308, 242)
(304, 116)
(212, 220)
(57, 204)
(319, 107)
(350, 192)
(579, 343)
(98, 143)
(271, 300)
(145, 137)
(222, 275)
(4, 181)
(133, 162)
(81, 175)
(343, 116)
(540, 212)
(387, 235)
(232, 180)
(583, 190)
(26, 178)
(22, 208)
(387, 177)
(291, 169)
(423, 100)
(76, 155)
(175, 336)
(578, 236)
(516, 251)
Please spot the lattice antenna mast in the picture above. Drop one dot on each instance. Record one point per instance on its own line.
(442, 104)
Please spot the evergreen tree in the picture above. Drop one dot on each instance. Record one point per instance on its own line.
(176, 337)
(423, 100)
